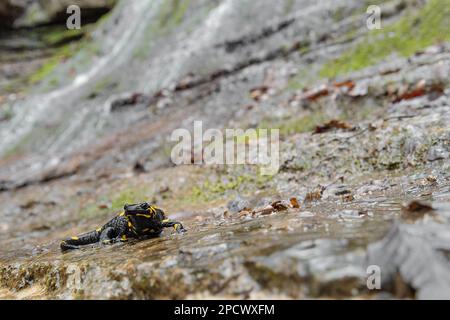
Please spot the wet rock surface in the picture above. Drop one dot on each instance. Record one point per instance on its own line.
(359, 151)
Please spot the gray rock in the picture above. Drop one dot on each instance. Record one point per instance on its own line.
(415, 253)
(437, 153)
(312, 268)
(238, 204)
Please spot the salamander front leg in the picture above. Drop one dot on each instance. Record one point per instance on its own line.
(112, 235)
(177, 226)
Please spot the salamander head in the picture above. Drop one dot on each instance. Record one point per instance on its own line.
(136, 208)
(144, 208)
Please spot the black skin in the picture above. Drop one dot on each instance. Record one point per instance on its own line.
(144, 222)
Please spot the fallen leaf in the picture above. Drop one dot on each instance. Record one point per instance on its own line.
(420, 89)
(42, 227)
(332, 124)
(244, 213)
(186, 82)
(264, 211)
(294, 203)
(430, 180)
(258, 93)
(417, 206)
(279, 206)
(348, 197)
(410, 95)
(349, 84)
(415, 210)
(315, 94)
(126, 100)
(361, 89)
(316, 194)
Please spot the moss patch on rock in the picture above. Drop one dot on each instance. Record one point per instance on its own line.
(418, 29)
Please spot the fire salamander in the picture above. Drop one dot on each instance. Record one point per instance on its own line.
(138, 221)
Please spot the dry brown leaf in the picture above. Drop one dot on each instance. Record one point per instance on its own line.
(420, 89)
(258, 93)
(417, 206)
(264, 211)
(410, 95)
(279, 206)
(294, 203)
(316, 194)
(430, 180)
(332, 124)
(415, 210)
(349, 84)
(315, 94)
(244, 213)
(348, 197)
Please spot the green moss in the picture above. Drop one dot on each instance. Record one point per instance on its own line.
(300, 80)
(47, 68)
(170, 15)
(100, 22)
(304, 49)
(66, 48)
(416, 30)
(214, 190)
(172, 12)
(116, 202)
(129, 195)
(296, 125)
(91, 210)
(44, 71)
(55, 37)
(339, 14)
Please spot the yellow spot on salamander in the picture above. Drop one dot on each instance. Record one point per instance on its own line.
(75, 238)
(122, 214)
(144, 215)
(98, 230)
(124, 238)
